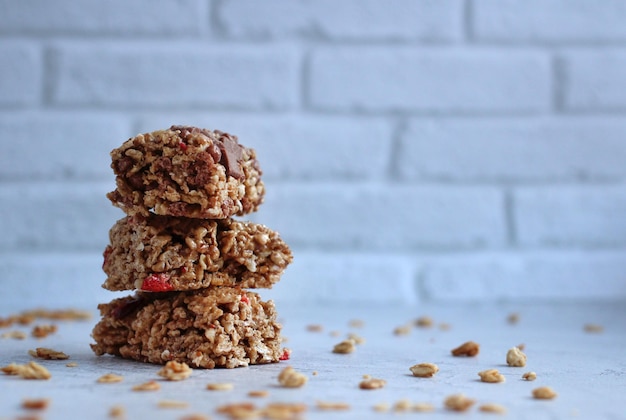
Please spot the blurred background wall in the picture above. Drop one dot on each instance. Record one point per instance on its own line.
(413, 151)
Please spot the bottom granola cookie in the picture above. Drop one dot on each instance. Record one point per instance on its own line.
(217, 327)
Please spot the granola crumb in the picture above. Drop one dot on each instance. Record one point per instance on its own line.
(30, 370)
(172, 404)
(401, 406)
(469, 349)
(344, 347)
(513, 318)
(492, 408)
(529, 376)
(71, 364)
(195, 417)
(117, 411)
(335, 333)
(402, 330)
(147, 386)
(220, 386)
(424, 322)
(245, 410)
(48, 354)
(332, 406)
(444, 326)
(356, 338)
(15, 334)
(357, 323)
(36, 403)
(290, 378)
(258, 393)
(458, 402)
(423, 407)
(42, 331)
(110, 378)
(175, 371)
(381, 407)
(424, 370)
(283, 411)
(314, 328)
(491, 376)
(593, 328)
(314, 373)
(515, 357)
(372, 383)
(544, 393)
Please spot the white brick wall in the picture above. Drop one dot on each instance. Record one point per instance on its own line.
(427, 150)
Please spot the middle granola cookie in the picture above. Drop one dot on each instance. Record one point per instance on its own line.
(162, 253)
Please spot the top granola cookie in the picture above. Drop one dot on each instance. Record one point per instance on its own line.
(186, 172)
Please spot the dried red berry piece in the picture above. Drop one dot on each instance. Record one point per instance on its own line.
(285, 355)
(157, 282)
(245, 299)
(183, 146)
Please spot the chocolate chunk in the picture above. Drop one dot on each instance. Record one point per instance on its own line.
(232, 155)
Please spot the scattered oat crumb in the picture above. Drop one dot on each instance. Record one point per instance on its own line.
(15, 334)
(402, 405)
(372, 383)
(469, 349)
(593, 328)
(30, 370)
(423, 407)
(172, 404)
(110, 378)
(529, 376)
(335, 333)
(402, 330)
(220, 387)
(147, 386)
(42, 331)
(48, 354)
(513, 318)
(258, 393)
(195, 417)
(290, 378)
(314, 328)
(544, 393)
(71, 364)
(344, 347)
(283, 411)
(314, 373)
(458, 402)
(36, 404)
(237, 411)
(424, 370)
(356, 338)
(357, 323)
(491, 376)
(117, 411)
(515, 357)
(175, 371)
(381, 407)
(424, 322)
(332, 406)
(444, 326)
(492, 408)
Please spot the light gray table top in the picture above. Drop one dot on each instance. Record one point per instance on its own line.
(587, 370)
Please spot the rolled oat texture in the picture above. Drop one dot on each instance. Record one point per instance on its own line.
(186, 172)
(208, 328)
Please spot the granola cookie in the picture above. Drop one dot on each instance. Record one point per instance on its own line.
(186, 172)
(216, 327)
(163, 253)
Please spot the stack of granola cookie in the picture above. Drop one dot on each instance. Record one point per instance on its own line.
(186, 257)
